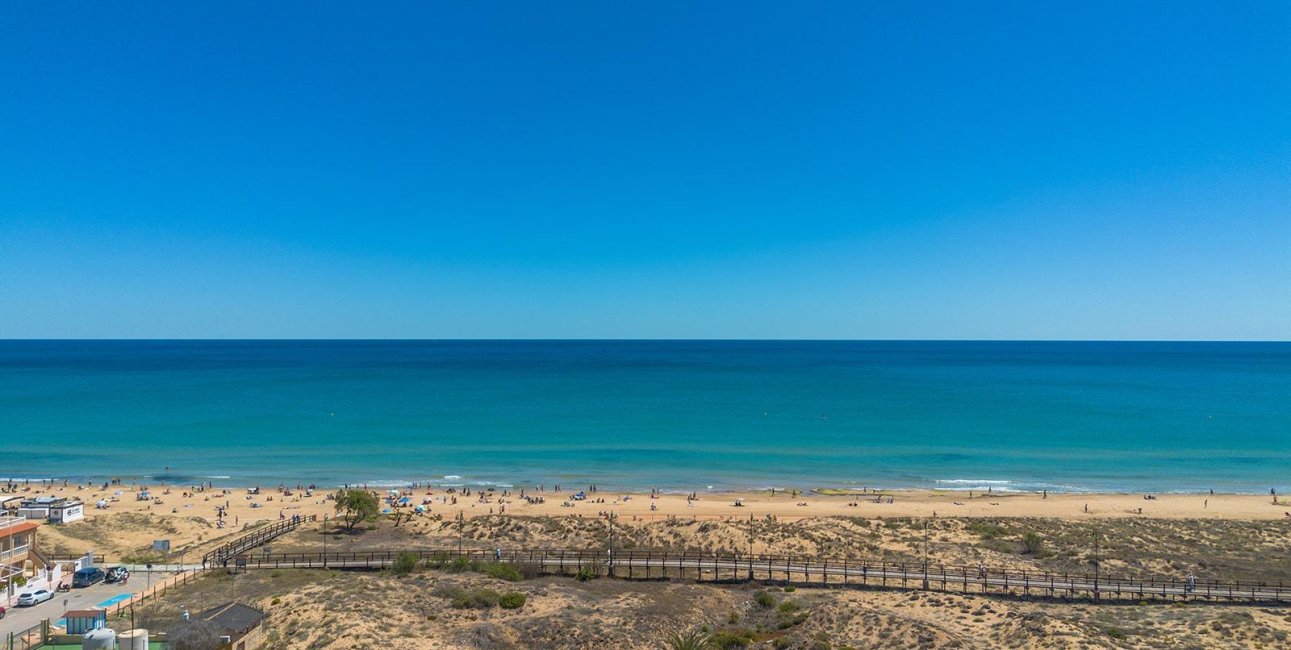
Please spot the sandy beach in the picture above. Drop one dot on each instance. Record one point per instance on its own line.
(242, 508)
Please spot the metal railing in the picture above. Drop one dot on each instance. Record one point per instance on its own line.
(14, 552)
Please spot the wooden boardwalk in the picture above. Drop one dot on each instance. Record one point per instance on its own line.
(255, 538)
(659, 565)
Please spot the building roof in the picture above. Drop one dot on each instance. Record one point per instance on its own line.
(235, 618)
(86, 613)
(20, 527)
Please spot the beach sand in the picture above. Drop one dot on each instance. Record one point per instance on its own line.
(190, 521)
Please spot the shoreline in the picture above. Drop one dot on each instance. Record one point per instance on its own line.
(829, 488)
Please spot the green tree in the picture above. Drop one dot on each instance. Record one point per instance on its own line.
(354, 506)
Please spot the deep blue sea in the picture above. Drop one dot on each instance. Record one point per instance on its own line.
(680, 415)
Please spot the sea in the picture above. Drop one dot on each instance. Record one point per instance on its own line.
(634, 415)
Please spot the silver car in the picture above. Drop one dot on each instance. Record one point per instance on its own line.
(29, 598)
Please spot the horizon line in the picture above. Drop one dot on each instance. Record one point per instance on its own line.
(631, 339)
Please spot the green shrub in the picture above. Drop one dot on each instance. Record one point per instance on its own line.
(457, 565)
(1032, 543)
(789, 589)
(788, 607)
(586, 573)
(500, 570)
(512, 600)
(731, 639)
(986, 529)
(476, 599)
(764, 599)
(404, 563)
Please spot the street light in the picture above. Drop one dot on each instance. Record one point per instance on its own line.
(609, 520)
(1096, 565)
(925, 553)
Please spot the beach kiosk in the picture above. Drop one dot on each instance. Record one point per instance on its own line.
(82, 621)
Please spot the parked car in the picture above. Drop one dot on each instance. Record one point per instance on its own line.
(88, 576)
(117, 574)
(29, 598)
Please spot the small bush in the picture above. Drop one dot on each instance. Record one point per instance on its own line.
(501, 571)
(764, 599)
(476, 599)
(788, 607)
(512, 600)
(731, 639)
(1032, 543)
(788, 589)
(404, 563)
(586, 573)
(986, 529)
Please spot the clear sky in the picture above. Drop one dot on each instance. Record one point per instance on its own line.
(646, 169)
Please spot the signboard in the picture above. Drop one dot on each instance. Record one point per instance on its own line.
(161, 545)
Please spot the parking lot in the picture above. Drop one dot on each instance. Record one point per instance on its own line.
(21, 618)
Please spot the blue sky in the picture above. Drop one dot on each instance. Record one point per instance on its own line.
(655, 170)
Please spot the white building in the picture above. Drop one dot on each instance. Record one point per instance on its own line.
(57, 511)
(67, 512)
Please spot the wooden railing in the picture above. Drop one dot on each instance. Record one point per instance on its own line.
(257, 537)
(158, 589)
(809, 571)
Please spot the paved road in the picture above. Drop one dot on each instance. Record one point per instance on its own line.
(21, 618)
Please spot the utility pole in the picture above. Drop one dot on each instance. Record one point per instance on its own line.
(1096, 565)
(461, 530)
(925, 553)
(750, 547)
(609, 520)
(324, 541)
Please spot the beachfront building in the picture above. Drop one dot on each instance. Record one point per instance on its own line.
(18, 558)
(52, 509)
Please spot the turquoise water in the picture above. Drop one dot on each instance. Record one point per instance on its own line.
(673, 414)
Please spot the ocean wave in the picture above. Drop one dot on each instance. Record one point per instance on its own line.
(1005, 485)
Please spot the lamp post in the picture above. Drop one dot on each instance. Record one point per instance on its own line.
(461, 530)
(324, 540)
(925, 553)
(609, 521)
(1096, 563)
